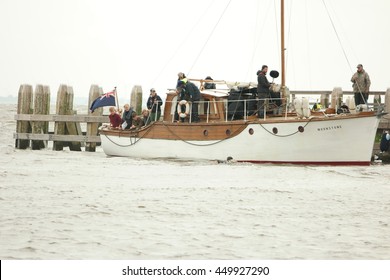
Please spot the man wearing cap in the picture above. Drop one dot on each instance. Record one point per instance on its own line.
(361, 85)
(154, 105)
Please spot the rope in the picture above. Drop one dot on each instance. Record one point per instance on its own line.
(259, 34)
(208, 38)
(337, 35)
(188, 34)
(341, 45)
(131, 136)
(287, 135)
(201, 145)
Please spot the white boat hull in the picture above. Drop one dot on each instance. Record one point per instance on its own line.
(335, 141)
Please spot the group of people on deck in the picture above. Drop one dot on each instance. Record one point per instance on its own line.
(130, 119)
(189, 92)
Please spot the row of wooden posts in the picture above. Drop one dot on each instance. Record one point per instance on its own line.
(33, 117)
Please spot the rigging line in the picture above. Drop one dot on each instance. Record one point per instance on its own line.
(182, 43)
(208, 38)
(259, 37)
(341, 45)
(337, 35)
(345, 34)
(354, 54)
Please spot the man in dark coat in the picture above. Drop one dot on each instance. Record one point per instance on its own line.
(190, 92)
(154, 105)
(263, 91)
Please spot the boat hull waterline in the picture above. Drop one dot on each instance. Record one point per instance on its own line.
(340, 140)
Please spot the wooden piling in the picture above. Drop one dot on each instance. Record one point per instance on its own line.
(136, 99)
(46, 92)
(25, 95)
(41, 107)
(387, 101)
(377, 101)
(71, 127)
(92, 128)
(61, 109)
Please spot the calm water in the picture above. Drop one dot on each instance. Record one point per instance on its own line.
(79, 205)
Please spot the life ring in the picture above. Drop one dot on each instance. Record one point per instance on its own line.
(179, 110)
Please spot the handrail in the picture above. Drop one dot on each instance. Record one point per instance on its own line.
(226, 102)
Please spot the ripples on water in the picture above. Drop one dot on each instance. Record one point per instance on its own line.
(79, 205)
(66, 205)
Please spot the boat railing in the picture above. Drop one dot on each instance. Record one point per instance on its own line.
(240, 110)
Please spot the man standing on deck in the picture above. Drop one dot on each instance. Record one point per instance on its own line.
(154, 105)
(262, 90)
(361, 85)
(190, 92)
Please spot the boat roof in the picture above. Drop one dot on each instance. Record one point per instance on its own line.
(215, 92)
(218, 93)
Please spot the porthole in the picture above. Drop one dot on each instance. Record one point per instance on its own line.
(251, 131)
(275, 130)
(228, 132)
(301, 129)
(205, 132)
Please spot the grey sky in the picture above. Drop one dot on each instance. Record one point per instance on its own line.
(127, 42)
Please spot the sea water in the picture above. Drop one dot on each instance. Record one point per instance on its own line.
(81, 205)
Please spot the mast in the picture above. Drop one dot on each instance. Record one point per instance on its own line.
(282, 43)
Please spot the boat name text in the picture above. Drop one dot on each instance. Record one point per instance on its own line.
(329, 128)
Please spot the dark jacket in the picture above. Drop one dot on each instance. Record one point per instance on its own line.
(209, 86)
(126, 117)
(262, 83)
(192, 91)
(151, 106)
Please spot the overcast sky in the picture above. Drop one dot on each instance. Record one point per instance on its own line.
(147, 42)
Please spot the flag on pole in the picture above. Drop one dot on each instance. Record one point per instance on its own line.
(107, 99)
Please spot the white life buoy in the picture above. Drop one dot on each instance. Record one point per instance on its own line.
(186, 111)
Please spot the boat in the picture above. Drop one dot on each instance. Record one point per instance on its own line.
(285, 134)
